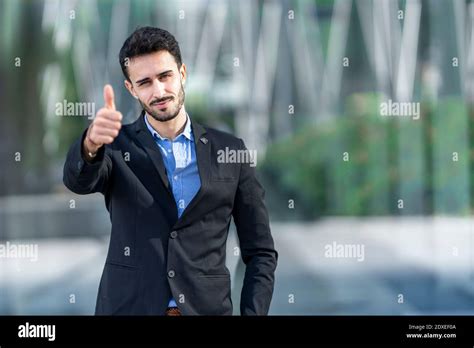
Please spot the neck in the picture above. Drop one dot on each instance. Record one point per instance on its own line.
(169, 129)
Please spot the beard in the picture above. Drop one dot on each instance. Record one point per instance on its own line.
(171, 111)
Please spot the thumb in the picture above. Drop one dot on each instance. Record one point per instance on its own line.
(109, 97)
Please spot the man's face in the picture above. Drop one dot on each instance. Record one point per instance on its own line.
(157, 84)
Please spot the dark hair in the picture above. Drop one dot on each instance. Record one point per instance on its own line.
(147, 40)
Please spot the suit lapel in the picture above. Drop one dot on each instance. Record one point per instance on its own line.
(203, 155)
(148, 143)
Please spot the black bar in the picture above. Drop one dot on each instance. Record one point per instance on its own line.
(133, 331)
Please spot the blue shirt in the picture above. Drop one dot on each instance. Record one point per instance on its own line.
(179, 157)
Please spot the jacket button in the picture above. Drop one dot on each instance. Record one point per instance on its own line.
(174, 234)
(171, 273)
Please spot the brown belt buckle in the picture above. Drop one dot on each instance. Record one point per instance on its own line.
(173, 312)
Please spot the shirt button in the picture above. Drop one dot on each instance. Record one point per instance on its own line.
(175, 177)
(174, 234)
(169, 150)
(171, 273)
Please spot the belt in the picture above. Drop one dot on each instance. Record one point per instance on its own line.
(173, 312)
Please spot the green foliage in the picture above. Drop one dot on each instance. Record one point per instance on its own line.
(388, 158)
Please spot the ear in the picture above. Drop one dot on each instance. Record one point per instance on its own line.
(183, 73)
(129, 86)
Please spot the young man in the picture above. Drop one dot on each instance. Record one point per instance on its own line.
(169, 197)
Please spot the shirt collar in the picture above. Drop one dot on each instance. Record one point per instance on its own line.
(187, 131)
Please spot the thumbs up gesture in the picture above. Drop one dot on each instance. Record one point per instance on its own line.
(106, 125)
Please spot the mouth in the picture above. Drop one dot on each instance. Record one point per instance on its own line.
(162, 104)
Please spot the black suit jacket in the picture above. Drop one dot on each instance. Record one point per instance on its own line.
(153, 255)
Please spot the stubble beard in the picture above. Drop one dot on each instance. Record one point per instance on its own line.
(172, 110)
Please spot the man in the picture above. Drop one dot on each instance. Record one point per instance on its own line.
(170, 200)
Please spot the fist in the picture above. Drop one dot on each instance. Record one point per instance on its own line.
(106, 125)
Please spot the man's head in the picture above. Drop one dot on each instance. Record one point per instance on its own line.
(151, 62)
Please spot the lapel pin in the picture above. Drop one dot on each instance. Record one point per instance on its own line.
(204, 140)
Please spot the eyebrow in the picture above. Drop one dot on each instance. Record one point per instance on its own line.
(147, 78)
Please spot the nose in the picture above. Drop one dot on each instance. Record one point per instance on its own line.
(158, 89)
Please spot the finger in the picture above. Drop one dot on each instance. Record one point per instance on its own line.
(103, 139)
(109, 114)
(105, 123)
(106, 131)
(109, 97)
(101, 130)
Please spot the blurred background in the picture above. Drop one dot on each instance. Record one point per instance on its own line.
(371, 211)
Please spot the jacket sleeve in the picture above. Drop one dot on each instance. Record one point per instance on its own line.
(83, 177)
(256, 243)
